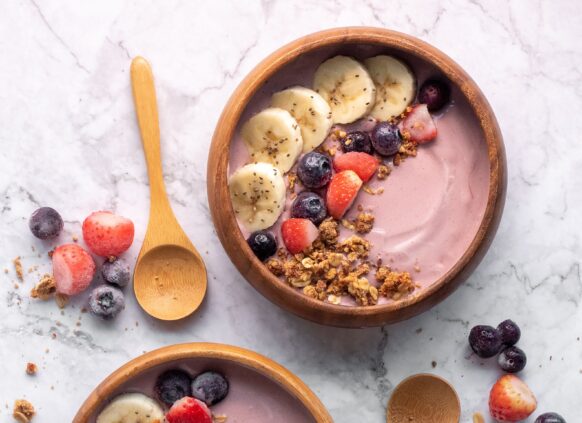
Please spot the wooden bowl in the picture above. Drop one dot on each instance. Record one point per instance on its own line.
(258, 275)
(216, 355)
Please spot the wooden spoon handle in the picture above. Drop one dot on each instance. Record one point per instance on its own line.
(144, 97)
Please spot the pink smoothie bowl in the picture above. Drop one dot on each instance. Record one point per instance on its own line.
(439, 212)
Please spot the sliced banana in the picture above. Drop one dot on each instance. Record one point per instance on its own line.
(311, 112)
(273, 136)
(257, 192)
(132, 408)
(395, 86)
(346, 85)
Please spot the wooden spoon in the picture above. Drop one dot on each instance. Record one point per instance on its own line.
(169, 278)
(424, 398)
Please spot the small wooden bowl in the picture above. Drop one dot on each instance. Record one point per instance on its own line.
(258, 275)
(218, 353)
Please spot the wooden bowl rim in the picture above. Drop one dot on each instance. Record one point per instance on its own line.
(428, 376)
(246, 358)
(225, 221)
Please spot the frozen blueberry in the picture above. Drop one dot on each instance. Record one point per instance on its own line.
(485, 341)
(550, 418)
(106, 301)
(435, 94)
(510, 332)
(263, 244)
(172, 386)
(357, 141)
(512, 360)
(210, 387)
(386, 139)
(314, 170)
(309, 205)
(116, 272)
(45, 223)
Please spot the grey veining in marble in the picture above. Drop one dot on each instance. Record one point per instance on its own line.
(69, 139)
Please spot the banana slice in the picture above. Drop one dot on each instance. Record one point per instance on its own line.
(273, 136)
(311, 112)
(395, 86)
(132, 408)
(346, 85)
(257, 192)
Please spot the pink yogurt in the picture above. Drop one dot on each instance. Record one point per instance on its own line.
(432, 204)
(252, 397)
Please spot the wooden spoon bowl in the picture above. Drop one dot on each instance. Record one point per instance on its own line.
(424, 398)
(227, 229)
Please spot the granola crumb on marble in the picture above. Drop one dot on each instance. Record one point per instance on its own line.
(45, 288)
(23, 411)
(31, 369)
(18, 268)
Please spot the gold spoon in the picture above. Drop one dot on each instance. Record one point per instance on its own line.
(424, 398)
(169, 278)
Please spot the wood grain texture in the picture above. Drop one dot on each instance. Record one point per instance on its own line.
(249, 359)
(170, 277)
(424, 398)
(289, 298)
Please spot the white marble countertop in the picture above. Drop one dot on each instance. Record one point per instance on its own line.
(69, 139)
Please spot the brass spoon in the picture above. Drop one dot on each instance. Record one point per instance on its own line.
(169, 278)
(424, 398)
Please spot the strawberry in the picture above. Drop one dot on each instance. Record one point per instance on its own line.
(298, 234)
(73, 269)
(341, 192)
(189, 410)
(418, 125)
(365, 165)
(107, 234)
(511, 400)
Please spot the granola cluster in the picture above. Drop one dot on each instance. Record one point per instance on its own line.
(331, 269)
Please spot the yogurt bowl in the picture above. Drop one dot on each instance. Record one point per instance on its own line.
(259, 390)
(433, 217)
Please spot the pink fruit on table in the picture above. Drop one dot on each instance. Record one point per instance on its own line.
(107, 234)
(511, 400)
(73, 269)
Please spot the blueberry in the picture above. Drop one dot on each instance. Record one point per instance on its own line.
(386, 139)
(485, 341)
(314, 170)
(116, 272)
(550, 418)
(172, 386)
(512, 360)
(435, 94)
(357, 141)
(45, 223)
(510, 332)
(210, 387)
(106, 301)
(263, 244)
(309, 205)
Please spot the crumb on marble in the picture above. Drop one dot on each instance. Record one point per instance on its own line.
(18, 268)
(31, 369)
(62, 300)
(23, 411)
(45, 288)
(478, 418)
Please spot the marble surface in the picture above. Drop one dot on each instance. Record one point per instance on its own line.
(69, 139)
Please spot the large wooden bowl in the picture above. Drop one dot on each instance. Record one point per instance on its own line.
(291, 299)
(215, 352)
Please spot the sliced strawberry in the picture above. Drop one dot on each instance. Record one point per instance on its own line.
(342, 192)
(298, 234)
(73, 269)
(189, 410)
(365, 165)
(107, 234)
(418, 125)
(511, 400)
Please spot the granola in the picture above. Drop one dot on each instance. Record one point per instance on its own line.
(45, 288)
(23, 411)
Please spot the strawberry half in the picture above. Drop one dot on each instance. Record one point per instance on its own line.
(365, 165)
(511, 400)
(107, 234)
(342, 192)
(73, 269)
(189, 410)
(418, 125)
(298, 234)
